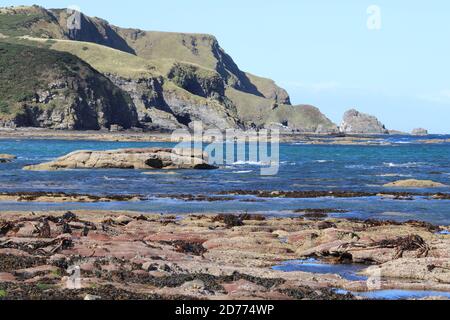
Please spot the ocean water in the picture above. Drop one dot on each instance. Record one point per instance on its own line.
(346, 271)
(302, 167)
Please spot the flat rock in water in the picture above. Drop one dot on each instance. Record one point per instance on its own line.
(7, 156)
(412, 183)
(143, 159)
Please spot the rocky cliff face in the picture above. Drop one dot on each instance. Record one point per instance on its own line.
(155, 80)
(49, 89)
(162, 106)
(357, 122)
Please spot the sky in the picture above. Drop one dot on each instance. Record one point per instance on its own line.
(389, 58)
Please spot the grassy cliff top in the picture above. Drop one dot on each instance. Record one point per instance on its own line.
(198, 49)
(113, 61)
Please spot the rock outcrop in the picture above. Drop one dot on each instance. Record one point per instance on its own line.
(171, 108)
(5, 158)
(222, 257)
(360, 123)
(412, 183)
(144, 159)
(419, 132)
(50, 89)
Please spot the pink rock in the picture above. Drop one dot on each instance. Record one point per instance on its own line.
(27, 230)
(6, 277)
(110, 267)
(87, 267)
(36, 271)
(242, 286)
(126, 237)
(140, 272)
(14, 252)
(98, 236)
(302, 237)
(175, 237)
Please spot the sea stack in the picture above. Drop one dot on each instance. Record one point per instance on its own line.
(355, 122)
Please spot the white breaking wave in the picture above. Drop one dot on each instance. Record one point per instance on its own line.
(404, 165)
(114, 179)
(395, 175)
(251, 163)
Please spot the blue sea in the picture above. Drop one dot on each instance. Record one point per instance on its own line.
(302, 167)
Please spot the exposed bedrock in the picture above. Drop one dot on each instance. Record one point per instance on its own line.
(151, 158)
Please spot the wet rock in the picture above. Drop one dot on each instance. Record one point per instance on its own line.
(300, 194)
(61, 197)
(90, 297)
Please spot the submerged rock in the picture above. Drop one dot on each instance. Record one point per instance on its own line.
(150, 158)
(357, 122)
(412, 183)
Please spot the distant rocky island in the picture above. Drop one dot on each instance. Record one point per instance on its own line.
(100, 76)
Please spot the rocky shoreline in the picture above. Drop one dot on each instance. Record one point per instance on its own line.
(136, 136)
(122, 255)
(237, 195)
(62, 197)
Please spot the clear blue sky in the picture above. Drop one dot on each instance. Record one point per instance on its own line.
(321, 51)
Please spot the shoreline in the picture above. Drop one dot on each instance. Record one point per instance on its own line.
(249, 196)
(130, 136)
(129, 255)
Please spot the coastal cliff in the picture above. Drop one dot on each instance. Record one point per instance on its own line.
(163, 81)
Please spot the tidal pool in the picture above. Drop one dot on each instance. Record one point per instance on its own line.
(346, 271)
